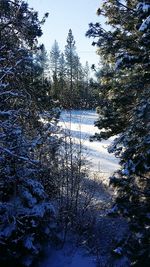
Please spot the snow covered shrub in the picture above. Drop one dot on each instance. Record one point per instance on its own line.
(27, 219)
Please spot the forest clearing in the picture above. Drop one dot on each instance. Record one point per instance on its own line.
(74, 133)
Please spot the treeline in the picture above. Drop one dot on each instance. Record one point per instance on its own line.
(71, 83)
(124, 110)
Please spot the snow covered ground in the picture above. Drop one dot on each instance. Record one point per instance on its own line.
(80, 123)
(69, 256)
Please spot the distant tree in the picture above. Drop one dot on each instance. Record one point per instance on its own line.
(78, 83)
(54, 65)
(86, 73)
(71, 57)
(42, 60)
(69, 84)
(54, 57)
(40, 82)
(62, 79)
(62, 66)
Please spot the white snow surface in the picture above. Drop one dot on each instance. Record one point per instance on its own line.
(80, 124)
(69, 256)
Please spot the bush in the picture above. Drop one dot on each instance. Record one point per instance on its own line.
(27, 220)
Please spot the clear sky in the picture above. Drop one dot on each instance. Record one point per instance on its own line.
(65, 15)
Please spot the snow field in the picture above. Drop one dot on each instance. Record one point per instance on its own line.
(80, 124)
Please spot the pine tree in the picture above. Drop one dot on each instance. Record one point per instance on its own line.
(86, 71)
(125, 109)
(70, 56)
(39, 79)
(25, 213)
(42, 60)
(62, 80)
(54, 65)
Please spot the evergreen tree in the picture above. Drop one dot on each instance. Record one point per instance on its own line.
(62, 79)
(54, 65)
(78, 83)
(70, 56)
(86, 94)
(25, 213)
(125, 109)
(41, 59)
(40, 83)
(69, 84)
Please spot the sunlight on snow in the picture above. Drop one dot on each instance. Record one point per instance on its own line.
(80, 123)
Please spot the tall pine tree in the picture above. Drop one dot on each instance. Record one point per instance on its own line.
(125, 110)
(70, 56)
(25, 213)
(54, 66)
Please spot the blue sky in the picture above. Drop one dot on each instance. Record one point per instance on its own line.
(66, 14)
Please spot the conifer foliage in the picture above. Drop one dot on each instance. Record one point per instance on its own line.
(125, 110)
(26, 216)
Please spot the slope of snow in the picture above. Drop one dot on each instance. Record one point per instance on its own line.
(80, 124)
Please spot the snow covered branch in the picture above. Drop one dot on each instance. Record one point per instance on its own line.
(7, 151)
(10, 69)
